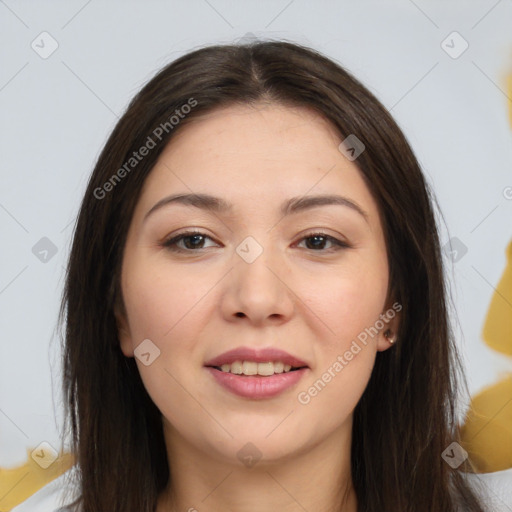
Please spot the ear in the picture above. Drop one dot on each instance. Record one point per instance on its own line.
(123, 331)
(391, 318)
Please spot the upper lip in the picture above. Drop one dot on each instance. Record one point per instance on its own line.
(261, 355)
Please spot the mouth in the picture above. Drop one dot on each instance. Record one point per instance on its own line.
(256, 374)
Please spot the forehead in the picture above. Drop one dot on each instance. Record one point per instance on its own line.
(251, 130)
(256, 155)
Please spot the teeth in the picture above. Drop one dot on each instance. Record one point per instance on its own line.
(253, 368)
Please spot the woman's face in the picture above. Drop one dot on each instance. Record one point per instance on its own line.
(255, 278)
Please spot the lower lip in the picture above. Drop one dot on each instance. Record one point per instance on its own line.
(255, 386)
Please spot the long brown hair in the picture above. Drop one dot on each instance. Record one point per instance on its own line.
(406, 416)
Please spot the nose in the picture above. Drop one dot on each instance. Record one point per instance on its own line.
(259, 291)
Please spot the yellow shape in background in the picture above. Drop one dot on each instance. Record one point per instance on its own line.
(18, 484)
(487, 431)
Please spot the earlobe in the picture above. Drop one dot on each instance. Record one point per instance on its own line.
(388, 335)
(387, 339)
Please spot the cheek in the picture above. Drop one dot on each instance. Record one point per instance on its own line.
(161, 299)
(348, 299)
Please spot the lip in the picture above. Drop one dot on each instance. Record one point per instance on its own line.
(256, 355)
(257, 387)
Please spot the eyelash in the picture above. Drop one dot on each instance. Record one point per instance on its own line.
(171, 244)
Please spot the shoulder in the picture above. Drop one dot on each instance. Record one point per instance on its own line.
(53, 497)
(494, 489)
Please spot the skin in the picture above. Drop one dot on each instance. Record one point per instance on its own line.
(306, 299)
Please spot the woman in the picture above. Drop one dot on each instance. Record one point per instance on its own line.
(255, 309)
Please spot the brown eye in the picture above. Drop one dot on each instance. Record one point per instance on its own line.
(191, 241)
(318, 241)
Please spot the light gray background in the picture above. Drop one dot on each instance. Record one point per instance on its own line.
(57, 112)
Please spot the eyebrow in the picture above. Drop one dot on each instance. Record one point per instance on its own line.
(288, 207)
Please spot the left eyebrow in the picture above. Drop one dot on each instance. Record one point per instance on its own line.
(288, 207)
(298, 204)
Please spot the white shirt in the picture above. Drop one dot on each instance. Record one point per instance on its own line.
(495, 489)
